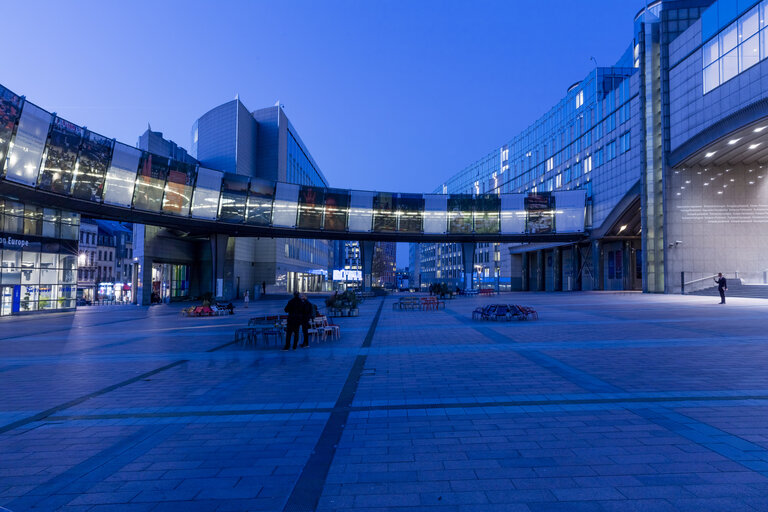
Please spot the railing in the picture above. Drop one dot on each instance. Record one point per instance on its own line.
(701, 281)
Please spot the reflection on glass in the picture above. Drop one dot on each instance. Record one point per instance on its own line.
(10, 108)
(487, 213)
(541, 217)
(28, 144)
(33, 220)
(95, 151)
(570, 211)
(150, 183)
(513, 215)
(286, 205)
(460, 213)
(260, 202)
(360, 211)
(234, 191)
(121, 176)
(11, 267)
(205, 201)
(60, 159)
(311, 201)
(336, 209)
(384, 212)
(410, 208)
(13, 218)
(435, 214)
(178, 189)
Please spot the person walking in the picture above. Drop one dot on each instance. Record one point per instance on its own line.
(246, 299)
(722, 286)
(295, 309)
(307, 313)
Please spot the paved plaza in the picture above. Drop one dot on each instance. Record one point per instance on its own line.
(609, 402)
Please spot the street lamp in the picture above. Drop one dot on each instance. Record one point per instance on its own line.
(81, 259)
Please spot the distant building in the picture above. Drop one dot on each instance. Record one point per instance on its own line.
(384, 264)
(86, 260)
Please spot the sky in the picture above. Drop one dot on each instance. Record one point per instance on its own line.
(388, 95)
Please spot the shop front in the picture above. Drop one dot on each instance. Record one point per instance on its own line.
(170, 282)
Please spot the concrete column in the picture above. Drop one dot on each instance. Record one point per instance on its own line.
(557, 269)
(626, 265)
(468, 262)
(576, 267)
(525, 274)
(218, 258)
(366, 257)
(597, 264)
(540, 271)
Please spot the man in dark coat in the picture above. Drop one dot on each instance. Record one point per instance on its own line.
(307, 314)
(295, 310)
(722, 286)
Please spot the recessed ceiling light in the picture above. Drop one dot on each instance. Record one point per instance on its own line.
(706, 184)
(719, 191)
(687, 181)
(751, 182)
(734, 141)
(710, 154)
(733, 179)
(754, 146)
(758, 130)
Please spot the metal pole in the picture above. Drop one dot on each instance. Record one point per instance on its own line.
(682, 283)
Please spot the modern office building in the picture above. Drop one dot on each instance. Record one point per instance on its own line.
(263, 144)
(384, 265)
(617, 134)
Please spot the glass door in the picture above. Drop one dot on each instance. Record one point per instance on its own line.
(6, 300)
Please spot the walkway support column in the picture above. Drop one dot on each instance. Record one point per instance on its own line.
(468, 262)
(218, 257)
(525, 281)
(540, 271)
(557, 270)
(597, 264)
(366, 256)
(576, 267)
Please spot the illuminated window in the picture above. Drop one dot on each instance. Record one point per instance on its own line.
(579, 99)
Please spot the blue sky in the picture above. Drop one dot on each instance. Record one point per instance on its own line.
(389, 95)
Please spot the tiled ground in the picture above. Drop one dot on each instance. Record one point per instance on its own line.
(609, 402)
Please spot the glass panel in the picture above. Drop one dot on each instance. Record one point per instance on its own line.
(260, 202)
(487, 213)
(33, 220)
(749, 24)
(13, 219)
(286, 205)
(384, 216)
(10, 108)
(178, 189)
(711, 52)
(95, 151)
(205, 201)
(513, 213)
(46, 298)
(121, 176)
(68, 270)
(410, 211)
(311, 201)
(540, 215)
(711, 77)
(150, 183)
(234, 191)
(435, 214)
(750, 52)
(729, 66)
(570, 209)
(28, 144)
(11, 267)
(460, 208)
(336, 209)
(728, 39)
(61, 156)
(51, 223)
(360, 211)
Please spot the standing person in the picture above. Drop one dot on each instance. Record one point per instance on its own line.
(307, 313)
(722, 286)
(295, 309)
(246, 299)
(263, 288)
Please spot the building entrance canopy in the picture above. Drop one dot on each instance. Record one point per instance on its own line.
(48, 159)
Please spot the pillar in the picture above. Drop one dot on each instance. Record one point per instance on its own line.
(540, 270)
(576, 267)
(366, 257)
(525, 284)
(597, 264)
(468, 262)
(218, 257)
(557, 270)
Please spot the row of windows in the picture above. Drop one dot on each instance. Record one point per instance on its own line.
(738, 47)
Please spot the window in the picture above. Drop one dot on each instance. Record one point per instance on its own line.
(579, 99)
(735, 49)
(610, 150)
(588, 164)
(624, 142)
(559, 180)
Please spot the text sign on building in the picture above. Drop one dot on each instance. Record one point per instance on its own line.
(9, 241)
